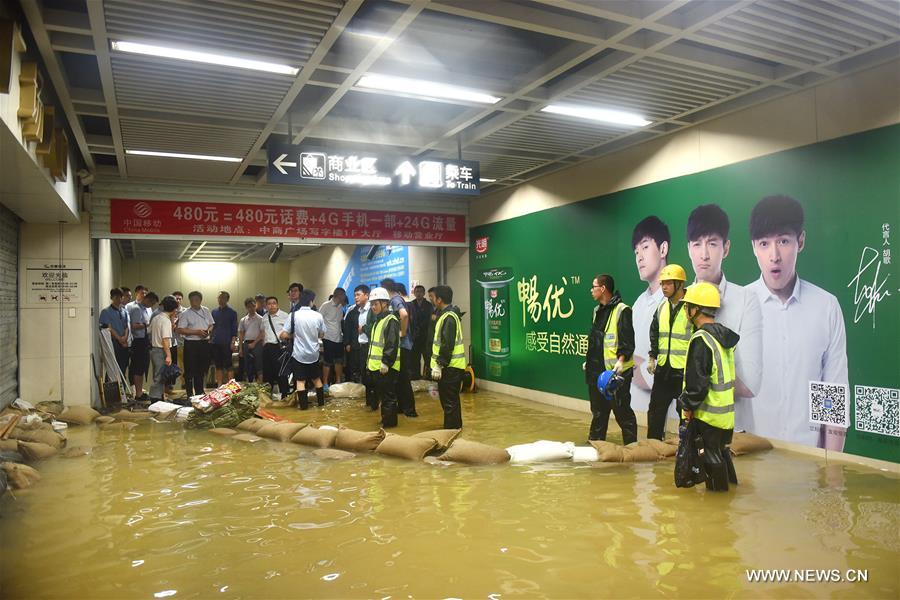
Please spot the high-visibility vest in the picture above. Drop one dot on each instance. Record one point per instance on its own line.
(717, 408)
(376, 345)
(611, 339)
(674, 341)
(458, 356)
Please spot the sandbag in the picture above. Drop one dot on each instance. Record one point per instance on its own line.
(119, 426)
(747, 443)
(608, 452)
(163, 409)
(474, 453)
(251, 424)
(541, 451)
(332, 454)
(9, 445)
(663, 449)
(75, 452)
(313, 436)
(283, 432)
(410, 448)
(20, 476)
(104, 419)
(137, 415)
(585, 454)
(246, 437)
(78, 415)
(53, 407)
(51, 438)
(635, 452)
(347, 389)
(358, 441)
(422, 385)
(443, 437)
(222, 431)
(36, 450)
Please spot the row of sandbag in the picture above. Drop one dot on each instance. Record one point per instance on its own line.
(602, 451)
(443, 443)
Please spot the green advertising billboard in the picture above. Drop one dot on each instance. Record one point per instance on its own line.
(818, 311)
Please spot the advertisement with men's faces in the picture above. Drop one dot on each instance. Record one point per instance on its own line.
(798, 243)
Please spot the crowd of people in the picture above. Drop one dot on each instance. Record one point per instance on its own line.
(382, 339)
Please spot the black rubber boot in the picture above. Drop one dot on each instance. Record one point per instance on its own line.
(320, 396)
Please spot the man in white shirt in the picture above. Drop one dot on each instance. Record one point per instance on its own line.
(161, 345)
(194, 325)
(650, 241)
(139, 313)
(250, 341)
(332, 346)
(273, 323)
(804, 338)
(708, 246)
(308, 328)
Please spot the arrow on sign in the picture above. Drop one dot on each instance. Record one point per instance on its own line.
(278, 162)
(406, 172)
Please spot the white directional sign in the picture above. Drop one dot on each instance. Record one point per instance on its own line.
(315, 166)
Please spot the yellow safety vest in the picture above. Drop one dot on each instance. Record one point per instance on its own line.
(674, 341)
(611, 339)
(458, 356)
(376, 345)
(718, 406)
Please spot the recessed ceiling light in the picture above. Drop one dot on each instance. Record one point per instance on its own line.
(426, 89)
(486, 180)
(204, 57)
(616, 117)
(181, 155)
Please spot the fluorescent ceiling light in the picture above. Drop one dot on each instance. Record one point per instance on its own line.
(426, 89)
(204, 57)
(617, 117)
(486, 180)
(180, 155)
(371, 35)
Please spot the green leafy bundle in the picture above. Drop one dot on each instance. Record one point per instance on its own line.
(242, 406)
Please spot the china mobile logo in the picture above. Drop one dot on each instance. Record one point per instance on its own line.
(142, 209)
(481, 245)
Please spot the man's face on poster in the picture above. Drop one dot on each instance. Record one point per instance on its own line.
(650, 258)
(776, 256)
(707, 253)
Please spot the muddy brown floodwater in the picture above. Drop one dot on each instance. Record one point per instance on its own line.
(164, 512)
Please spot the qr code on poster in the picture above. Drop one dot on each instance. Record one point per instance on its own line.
(829, 403)
(877, 410)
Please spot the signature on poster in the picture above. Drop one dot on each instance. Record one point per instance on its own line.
(868, 285)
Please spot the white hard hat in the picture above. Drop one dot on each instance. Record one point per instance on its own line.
(379, 293)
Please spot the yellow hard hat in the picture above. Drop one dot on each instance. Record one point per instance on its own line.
(673, 273)
(703, 294)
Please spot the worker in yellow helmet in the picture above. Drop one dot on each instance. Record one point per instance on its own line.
(708, 395)
(670, 332)
(383, 363)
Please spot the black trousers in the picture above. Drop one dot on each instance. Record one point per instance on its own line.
(386, 386)
(667, 386)
(351, 364)
(717, 457)
(366, 377)
(196, 364)
(418, 354)
(271, 364)
(404, 388)
(123, 356)
(448, 389)
(621, 408)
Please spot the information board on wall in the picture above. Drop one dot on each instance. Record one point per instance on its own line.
(800, 244)
(49, 283)
(370, 264)
(217, 219)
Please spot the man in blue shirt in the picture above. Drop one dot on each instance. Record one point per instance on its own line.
(307, 327)
(224, 336)
(115, 318)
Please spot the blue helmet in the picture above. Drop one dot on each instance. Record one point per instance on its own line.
(608, 382)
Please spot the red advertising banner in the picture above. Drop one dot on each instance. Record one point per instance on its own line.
(162, 217)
